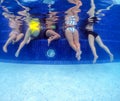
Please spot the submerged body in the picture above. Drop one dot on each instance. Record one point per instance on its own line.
(93, 36)
(14, 23)
(71, 33)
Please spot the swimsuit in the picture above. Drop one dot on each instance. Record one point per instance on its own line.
(89, 29)
(41, 35)
(34, 27)
(71, 22)
(92, 33)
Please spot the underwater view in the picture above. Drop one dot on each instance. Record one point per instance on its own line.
(59, 50)
(59, 31)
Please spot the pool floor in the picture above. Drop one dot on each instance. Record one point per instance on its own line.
(30, 82)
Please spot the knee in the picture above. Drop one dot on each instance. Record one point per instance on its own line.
(91, 44)
(76, 42)
(102, 45)
(22, 34)
(58, 36)
(13, 37)
(71, 43)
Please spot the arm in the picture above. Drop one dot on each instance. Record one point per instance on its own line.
(91, 11)
(6, 9)
(26, 8)
(108, 8)
(1, 1)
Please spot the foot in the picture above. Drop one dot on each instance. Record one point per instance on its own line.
(16, 54)
(13, 42)
(78, 55)
(111, 57)
(78, 58)
(49, 41)
(95, 59)
(5, 49)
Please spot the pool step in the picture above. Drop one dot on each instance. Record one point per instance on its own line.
(59, 50)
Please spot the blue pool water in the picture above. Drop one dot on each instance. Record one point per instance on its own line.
(38, 50)
(28, 82)
(52, 73)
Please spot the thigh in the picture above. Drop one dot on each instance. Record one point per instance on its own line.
(50, 33)
(76, 36)
(19, 36)
(12, 35)
(69, 35)
(27, 35)
(91, 39)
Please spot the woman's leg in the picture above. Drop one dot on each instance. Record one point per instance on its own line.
(77, 44)
(10, 39)
(22, 44)
(19, 37)
(102, 45)
(70, 39)
(92, 46)
(52, 35)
